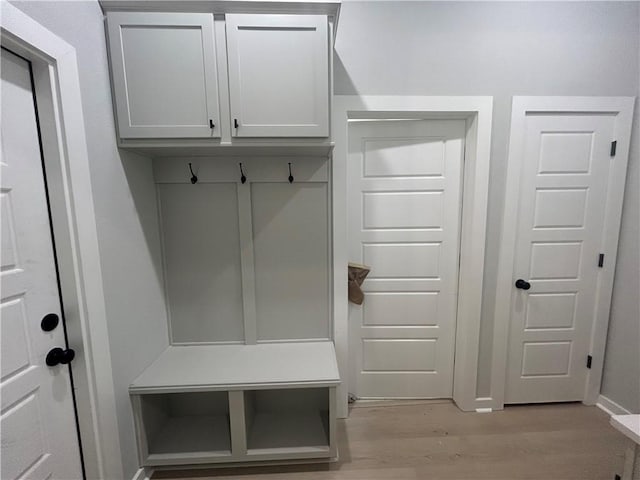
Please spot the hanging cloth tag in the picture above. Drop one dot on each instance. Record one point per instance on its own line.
(357, 274)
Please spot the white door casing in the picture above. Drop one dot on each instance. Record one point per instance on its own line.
(39, 437)
(477, 113)
(565, 189)
(278, 75)
(405, 182)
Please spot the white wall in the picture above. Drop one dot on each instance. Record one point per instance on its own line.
(126, 212)
(504, 49)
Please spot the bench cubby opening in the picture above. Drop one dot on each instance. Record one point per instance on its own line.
(287, 421)
(185, 424)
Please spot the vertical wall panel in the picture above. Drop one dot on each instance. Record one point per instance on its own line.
(202, 261)
(290, 235)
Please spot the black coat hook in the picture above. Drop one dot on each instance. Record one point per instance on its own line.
(290, 175)
(243, 177)
(194, 179)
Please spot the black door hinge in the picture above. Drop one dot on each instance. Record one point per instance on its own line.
(601, 260)
(589, 360)
(614, 145)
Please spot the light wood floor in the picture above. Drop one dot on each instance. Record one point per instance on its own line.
(427, 440)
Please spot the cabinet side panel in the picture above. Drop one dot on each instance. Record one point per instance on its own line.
(154, 413)
(202, 261)
(290, 236)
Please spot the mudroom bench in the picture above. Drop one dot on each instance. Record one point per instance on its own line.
(208, 404)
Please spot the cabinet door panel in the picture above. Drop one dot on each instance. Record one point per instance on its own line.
(279, 75)
(164, 74)
(290, 239)
(201, 243)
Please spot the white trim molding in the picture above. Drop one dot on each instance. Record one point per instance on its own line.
(477, 111)
(57, 89)
(610, 407)
(622, 109)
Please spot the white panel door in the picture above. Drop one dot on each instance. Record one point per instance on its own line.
(404, 181)
(278, 75)
(164, 74)
(563, 192)
(37, 421)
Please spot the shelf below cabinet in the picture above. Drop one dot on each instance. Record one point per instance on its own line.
(237, 148)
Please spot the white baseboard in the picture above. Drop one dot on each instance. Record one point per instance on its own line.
(611, 407)
(142, 474)
(485, 404)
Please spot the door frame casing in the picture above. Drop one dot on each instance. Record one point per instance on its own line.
(477, 112)
(622, 109)
(57, 90)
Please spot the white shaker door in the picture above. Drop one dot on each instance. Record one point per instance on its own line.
(164, 74)
(278, 75)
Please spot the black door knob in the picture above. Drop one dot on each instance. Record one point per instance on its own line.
(49, 322)
(57, 355)
(523, 284)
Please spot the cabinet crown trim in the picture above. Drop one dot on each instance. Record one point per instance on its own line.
(221, 7)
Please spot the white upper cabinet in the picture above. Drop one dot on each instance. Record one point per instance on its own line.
(164, 74)
(278, 75)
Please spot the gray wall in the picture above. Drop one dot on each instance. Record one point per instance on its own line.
(126, 213)
(504, 49)
(621, 376)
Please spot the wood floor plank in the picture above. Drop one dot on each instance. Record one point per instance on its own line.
(427, 440)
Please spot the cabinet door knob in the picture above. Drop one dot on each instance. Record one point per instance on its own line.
(211, 124)
(522, 284)
(235, 123)
(57, 355)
